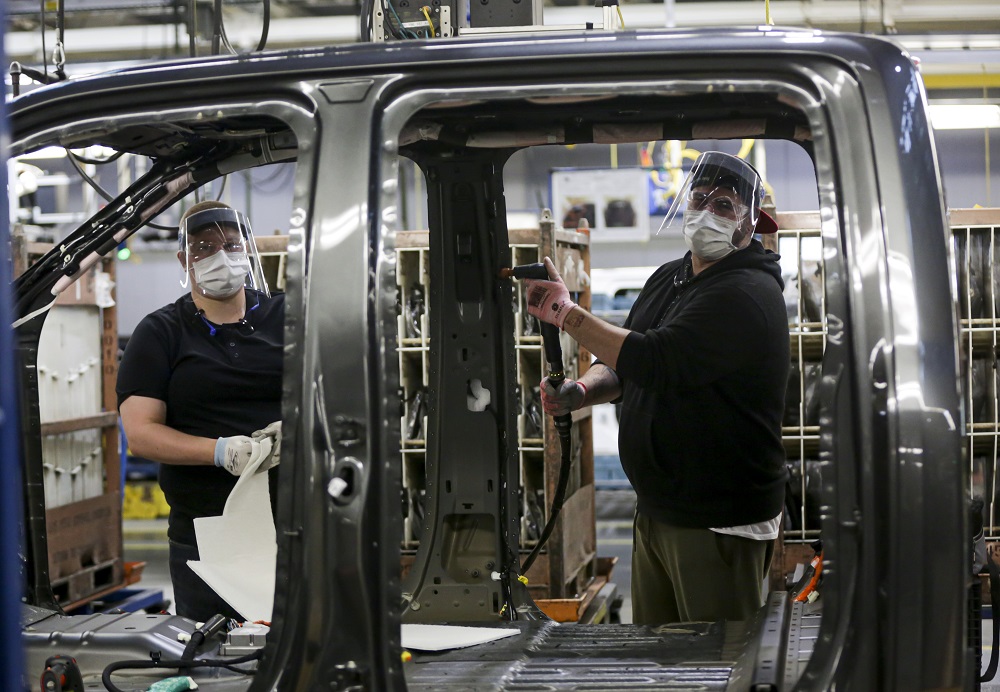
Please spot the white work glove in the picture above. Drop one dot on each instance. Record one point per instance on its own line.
(559, 402)
(273, 433)
(239, 451)
(549, 300)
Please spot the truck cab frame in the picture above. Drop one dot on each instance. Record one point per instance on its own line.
(892, 424)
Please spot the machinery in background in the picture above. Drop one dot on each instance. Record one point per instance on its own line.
(401, 20)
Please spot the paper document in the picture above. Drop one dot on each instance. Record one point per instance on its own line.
(441, 637)
(239, 549)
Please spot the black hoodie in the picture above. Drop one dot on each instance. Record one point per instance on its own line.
(704, 374)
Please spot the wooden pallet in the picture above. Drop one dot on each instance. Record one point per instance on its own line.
(85, 548)
(572, 609)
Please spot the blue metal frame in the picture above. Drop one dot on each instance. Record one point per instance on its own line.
(11, 586)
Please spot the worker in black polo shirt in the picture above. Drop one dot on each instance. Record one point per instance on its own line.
(200, 383)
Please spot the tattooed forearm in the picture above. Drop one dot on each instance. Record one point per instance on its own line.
(574, 319)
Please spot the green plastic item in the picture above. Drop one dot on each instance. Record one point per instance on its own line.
(178, 684)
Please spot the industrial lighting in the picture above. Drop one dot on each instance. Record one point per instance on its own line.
(964, 116)
(44, 153)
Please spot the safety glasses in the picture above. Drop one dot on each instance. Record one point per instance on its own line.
(202, 248)
(720, 202)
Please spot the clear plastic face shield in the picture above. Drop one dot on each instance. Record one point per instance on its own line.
(723, 185)
(219, 253)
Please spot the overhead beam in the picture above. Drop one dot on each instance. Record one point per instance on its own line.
(924, 29)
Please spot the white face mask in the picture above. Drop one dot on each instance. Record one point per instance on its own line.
(708, 235)
(222, 274)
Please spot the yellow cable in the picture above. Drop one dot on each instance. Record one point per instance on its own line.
(620, 17)
(767, 13)
(427, 15)
(659, 179)
(688, 153)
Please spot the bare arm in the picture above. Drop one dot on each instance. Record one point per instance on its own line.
(144, 420)
(602, 385)
(602, 339)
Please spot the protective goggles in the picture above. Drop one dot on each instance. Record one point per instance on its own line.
(719, 201)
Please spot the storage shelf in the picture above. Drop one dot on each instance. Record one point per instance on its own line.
(77, 368)
(810, 343)
(109, 419)
(800, 443)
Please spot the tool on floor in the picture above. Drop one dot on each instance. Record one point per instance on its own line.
(61, 674)
(806, 588)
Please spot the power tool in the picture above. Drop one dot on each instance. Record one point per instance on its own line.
(563, 423)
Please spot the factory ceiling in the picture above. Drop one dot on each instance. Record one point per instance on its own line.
(958, 43)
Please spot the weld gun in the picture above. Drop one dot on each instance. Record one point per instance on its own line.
(564, 423)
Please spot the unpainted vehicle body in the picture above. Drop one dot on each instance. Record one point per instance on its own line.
(893, 521)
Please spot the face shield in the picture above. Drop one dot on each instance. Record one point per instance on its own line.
(725, 186)
(219, 250)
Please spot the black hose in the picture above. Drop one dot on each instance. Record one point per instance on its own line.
(563, 423)
(222, 188)
(193, 29)
(75, 159)
(559, 496)
(59, 57)
(45, 59)
(266, 26)
(367, 23)
(217, 28)
(61, 30)
(168, 664)
(97, 162)
(564, 427)
(198, 637)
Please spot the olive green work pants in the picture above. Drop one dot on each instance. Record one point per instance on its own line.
(691, 575)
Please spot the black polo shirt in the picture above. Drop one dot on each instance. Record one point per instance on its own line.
(214, 384)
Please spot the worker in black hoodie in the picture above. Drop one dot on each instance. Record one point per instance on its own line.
(700, 366)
